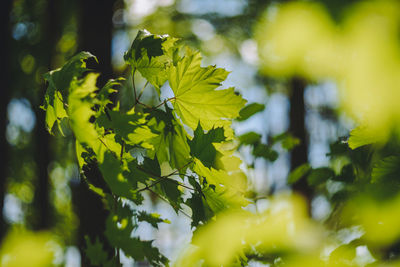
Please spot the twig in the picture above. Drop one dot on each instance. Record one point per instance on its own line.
(104, 144)
(190, 161)
(137, 101)
(141, 92)
(162, 198)
(122, 149)
(166, 179)
(162, 103)
(134, 86)
(62, 101)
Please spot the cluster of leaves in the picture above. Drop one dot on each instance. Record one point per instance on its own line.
(362, 187)
(184, 145)
(254, 140)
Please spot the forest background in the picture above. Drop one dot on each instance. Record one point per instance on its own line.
(301, 126)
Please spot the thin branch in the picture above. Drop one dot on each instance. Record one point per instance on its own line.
(122, 149)
(133, 84)
(162, 198)
(147, 187)
(118, 257)
(181, 184)
(141, 92)
(65, 104)
(108, 115)
(104, 144)
(190, 161)
(166, 179)
(137, 101)
(165, 101)
(147, 172)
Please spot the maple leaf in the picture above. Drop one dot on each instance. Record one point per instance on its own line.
(196, 97)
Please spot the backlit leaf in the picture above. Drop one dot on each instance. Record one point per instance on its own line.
(195, 96)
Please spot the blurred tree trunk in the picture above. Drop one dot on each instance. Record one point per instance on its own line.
(95, 36)
(297, 127)
(96, 33)
(44, 215)
(5, 32)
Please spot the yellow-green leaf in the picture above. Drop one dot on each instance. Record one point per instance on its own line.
(196, 97)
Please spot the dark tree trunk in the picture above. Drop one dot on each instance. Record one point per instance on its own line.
(95, 34)
(5, 8)
(44, 214)
(297, 127)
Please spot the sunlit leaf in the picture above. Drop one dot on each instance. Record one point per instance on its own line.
(195, 96)
(151, 55)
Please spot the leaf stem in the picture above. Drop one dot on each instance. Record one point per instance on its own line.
(137, 101)
(162, 198)
(122, 149)
(165, 101)
(62, 101)
(134, 86)
(166, 179)
(141, 92)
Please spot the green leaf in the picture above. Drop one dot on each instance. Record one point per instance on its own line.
(265, 151)
(287, 140)
(201, 146)
(59, 81)
(361, 136)
(228, 190)
(152, 166)
(195, 96)
(198, 206)
(339, 148)
(320, 175)
(95, 252)
(74, 68)
(136, 174)
(346, 175)
(250, 138)
(81, 112)
(299, 173)
(250, 110)
(112, 172)
(387, 169)
(170, 144)
(103, 96)
(152, 218)
(201, 212)
(151, 55)
(131, 127)
(119, 228)
(170, 189)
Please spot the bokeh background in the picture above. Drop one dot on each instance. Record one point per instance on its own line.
(40, 187)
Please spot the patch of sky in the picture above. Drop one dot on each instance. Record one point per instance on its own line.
(320, 208)
(19, 30)
(21, 114)
(226, 8)
(138, 9)
(203, 29)
(120, 43)
(72, 257)
(12, 210)
(21, 119)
